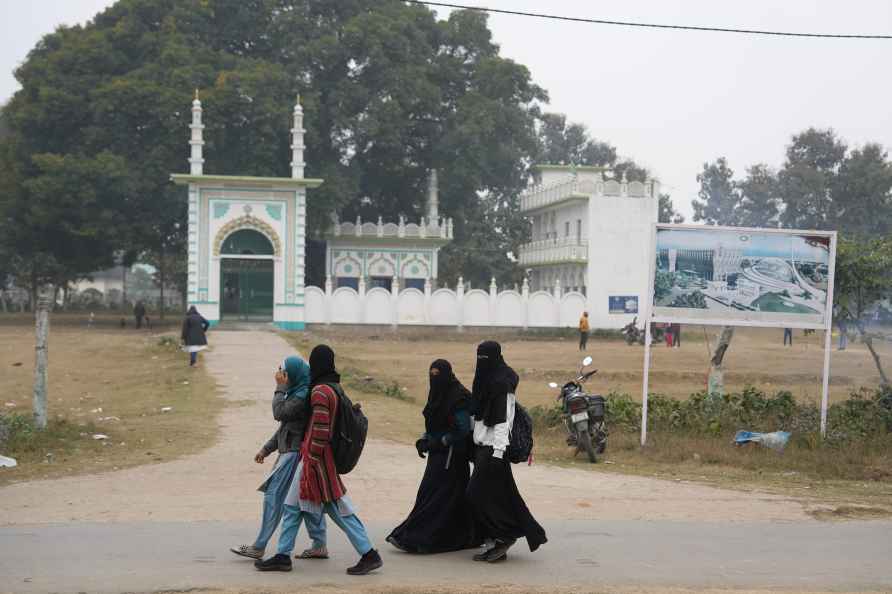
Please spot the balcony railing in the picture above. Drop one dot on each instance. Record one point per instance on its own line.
(553, 251)
(542, 196)
(440, 228)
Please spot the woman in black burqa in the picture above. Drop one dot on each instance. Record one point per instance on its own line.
(499, 510)
(442, 520)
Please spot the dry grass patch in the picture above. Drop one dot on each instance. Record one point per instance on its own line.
(103, 381)
(859, 474)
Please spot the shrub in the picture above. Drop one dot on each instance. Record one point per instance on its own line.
(867, 414)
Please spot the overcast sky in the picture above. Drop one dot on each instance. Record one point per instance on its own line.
(670, 100)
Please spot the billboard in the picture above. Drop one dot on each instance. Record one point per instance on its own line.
(622, 304)
(747, 277)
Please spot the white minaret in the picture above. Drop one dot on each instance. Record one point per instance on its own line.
(433, 200)
(297, 142)
(196, 161)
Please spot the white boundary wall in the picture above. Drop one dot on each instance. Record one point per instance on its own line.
(444, 307)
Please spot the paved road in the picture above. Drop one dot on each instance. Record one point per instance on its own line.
(150, 556)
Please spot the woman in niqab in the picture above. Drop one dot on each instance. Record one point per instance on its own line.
(499, 510)
(441, 520)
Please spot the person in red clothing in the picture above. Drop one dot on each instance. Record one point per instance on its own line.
(317, 487)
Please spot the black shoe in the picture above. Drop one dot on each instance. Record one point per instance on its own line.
(274, 563)
(499, 552)
(482, 556)
(368, 563)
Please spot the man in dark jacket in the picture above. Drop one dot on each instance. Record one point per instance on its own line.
(193, 334)
(139, 312)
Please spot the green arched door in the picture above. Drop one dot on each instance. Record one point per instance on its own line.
(246, 280)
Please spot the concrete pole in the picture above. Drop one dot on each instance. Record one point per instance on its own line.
(42, 329)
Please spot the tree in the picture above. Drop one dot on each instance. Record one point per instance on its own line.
(863, 278)
(863, 193)
(719, 204)
(667, 213)
(807, 180)
(759, 200)
(570, 144)
(390, 93)
(719, 197)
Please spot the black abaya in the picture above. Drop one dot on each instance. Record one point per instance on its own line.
(441, 520)
(499, 510)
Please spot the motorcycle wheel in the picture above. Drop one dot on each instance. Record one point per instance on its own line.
(585, 440)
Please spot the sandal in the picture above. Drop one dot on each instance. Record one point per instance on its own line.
(313, 554)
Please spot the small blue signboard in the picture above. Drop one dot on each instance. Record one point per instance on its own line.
(623, 304)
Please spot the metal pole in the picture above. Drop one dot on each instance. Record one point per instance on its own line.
(825, 395)
(828, 334)
(646, 381)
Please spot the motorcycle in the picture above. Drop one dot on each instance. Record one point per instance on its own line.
(635, 335)
(583, 414)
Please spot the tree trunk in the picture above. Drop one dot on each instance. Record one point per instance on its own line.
(3, 301)
(716, 385)
(42, 328)
(867, 339)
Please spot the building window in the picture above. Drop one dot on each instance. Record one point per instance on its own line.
(348, 281)
(567, 229)
(385, 282)
(579, 230)
(414, 283)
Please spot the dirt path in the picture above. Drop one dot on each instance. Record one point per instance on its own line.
(219, 484)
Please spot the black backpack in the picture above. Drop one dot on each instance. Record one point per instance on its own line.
(520, 444)
(351, 427)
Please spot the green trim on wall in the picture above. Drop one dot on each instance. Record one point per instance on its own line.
(291, 326)
(287, 182)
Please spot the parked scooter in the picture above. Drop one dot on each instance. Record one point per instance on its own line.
(584, 415)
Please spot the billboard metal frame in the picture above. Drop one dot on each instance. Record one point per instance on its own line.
(648, 306)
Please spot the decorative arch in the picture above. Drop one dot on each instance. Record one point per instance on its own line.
(415, 260)
(248, 222)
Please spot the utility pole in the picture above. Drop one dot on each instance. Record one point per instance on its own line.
(45, 297)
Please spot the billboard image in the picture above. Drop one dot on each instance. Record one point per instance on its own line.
(726, 275)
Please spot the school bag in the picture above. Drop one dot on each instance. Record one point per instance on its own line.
(520, 441)
(351, 427)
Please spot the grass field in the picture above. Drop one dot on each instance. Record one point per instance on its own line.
(107, 381)
(388, 372)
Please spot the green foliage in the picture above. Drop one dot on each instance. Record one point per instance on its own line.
(19, 436)
(865, 415)
(863, 275)
(719, 198)
(667, 213)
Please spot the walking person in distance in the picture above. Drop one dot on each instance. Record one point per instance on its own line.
(193, 335)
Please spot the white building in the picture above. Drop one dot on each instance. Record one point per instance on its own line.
(247, 237)
(388, 255)
(591, 235)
